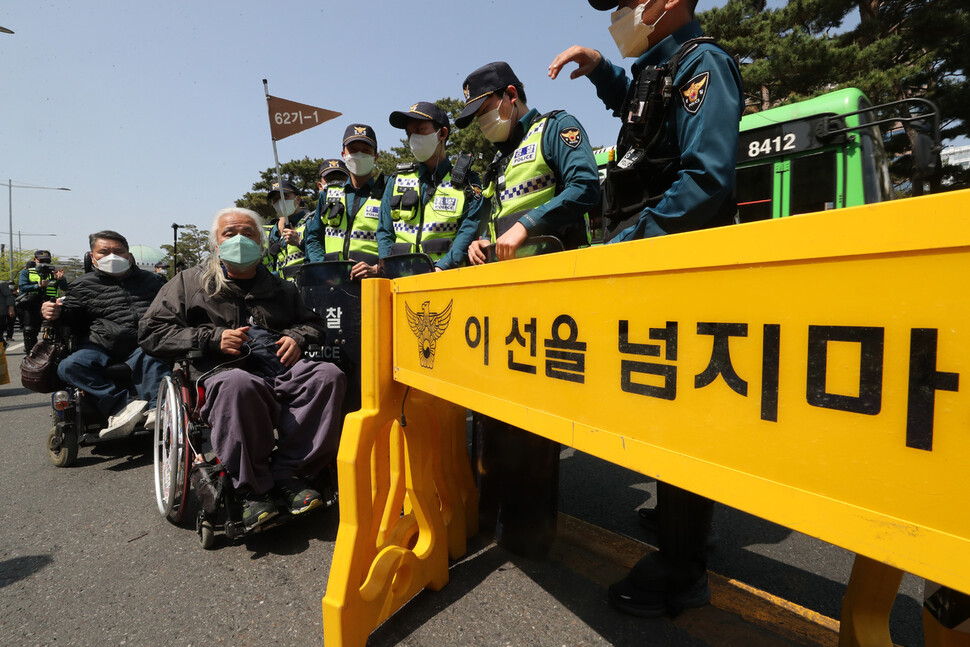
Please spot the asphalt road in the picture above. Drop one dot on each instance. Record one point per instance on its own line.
(85, 559)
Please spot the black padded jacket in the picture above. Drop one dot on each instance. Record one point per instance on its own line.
(105, 309)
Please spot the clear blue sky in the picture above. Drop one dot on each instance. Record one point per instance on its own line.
(153, 113)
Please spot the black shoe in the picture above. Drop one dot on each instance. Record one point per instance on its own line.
(257, 509)
(647, 517)
(653, 589)
(648, 520)
(297, 495)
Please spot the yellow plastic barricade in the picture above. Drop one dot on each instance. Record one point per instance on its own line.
(806, 370)
(4, 371)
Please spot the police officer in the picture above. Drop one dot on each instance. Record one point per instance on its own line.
(422, 209)
(344, 226)
(39, 282)
(543, 179)
(676, 155)
(332, 171)
(286, 237)
(161, 271)
(7, 311)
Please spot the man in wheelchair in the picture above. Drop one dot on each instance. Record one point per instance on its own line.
(251, 329)
(103, 308)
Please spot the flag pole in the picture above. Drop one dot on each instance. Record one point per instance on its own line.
(276, 157)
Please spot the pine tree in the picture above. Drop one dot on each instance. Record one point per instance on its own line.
(889, 49)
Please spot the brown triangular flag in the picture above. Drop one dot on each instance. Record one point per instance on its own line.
(289, 117)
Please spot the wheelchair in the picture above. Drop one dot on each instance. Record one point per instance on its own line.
(183, 461)
(76, 418)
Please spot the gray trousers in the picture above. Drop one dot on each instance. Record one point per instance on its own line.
(304, 407)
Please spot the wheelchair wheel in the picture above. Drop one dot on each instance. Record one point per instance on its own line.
(207, 532)
(171, 451)
(64, 453)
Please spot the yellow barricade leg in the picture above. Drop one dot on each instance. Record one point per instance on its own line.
(936, 635)
(397, 483)
(867, 602)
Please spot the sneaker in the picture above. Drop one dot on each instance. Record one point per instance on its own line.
(257, 509)
(124, 422)
(149, 419)
(297, 495)
(649, 590)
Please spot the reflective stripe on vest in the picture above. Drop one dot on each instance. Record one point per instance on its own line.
(34, 277)
(269, 262)
(292, 254)
(363, 236)
(528, 180)
(438, 219)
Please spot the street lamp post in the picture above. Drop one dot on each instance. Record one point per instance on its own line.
(10, 187)
(175, 242)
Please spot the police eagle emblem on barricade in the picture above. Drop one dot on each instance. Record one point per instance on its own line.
(428, 326)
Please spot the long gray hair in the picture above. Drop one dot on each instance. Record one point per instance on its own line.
(213, 279)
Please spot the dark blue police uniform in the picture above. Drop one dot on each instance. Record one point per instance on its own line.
(674, 172)
(694, 185)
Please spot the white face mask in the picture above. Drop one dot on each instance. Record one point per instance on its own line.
(632, 37)
(493, 127)
(423, 146)
(112, 264)
(285, 208)
(360, 164)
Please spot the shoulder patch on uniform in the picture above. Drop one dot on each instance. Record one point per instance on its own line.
(475, 190)
(694, 91)
(571, 137)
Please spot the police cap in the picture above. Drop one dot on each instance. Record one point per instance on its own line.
(288, 187)
(330, 166)
(604, 5)
(422, 111)
(360, 133)
(480, 84)
(43, 255)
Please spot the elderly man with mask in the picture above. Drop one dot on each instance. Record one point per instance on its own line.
(104, 306)
(252, 328)
(676, 153)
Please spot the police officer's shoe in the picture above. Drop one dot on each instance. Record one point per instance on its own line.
(648, 520)
(654, 588)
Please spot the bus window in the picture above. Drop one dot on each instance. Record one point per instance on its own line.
(754, 192)
(814, 185)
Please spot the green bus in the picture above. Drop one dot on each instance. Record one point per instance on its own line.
(825, 153)
(810, 156)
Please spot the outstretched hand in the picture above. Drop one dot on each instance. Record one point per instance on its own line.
(587, 59)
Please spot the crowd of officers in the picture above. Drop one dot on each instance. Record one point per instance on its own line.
(674, 172)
